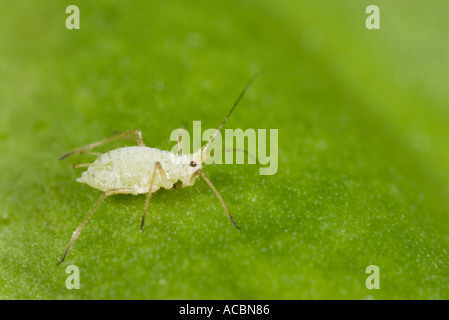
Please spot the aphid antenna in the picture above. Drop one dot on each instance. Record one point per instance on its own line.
(204, 148)
(240, 150)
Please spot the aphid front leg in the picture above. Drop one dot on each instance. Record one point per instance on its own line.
(85, 149)
(157, 169)
(217, 194)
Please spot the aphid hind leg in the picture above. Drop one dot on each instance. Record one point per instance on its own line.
(87, 218)
(137, 133)
(86, 165)
(217, 194)
(157, 169)
(179, 139)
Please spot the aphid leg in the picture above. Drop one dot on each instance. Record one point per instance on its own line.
(85, 149)
(217, 194)
(191, 182)
(86, 165)
(78, 231)
(93, 153)
(89, 215)
(180, 151)
(82, 165)
(157, 169)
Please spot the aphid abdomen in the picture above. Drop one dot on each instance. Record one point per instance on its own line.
(128, 168)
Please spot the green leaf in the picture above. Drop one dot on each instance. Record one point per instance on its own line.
(363, 170)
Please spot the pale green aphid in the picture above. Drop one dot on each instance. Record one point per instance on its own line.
(143, 170)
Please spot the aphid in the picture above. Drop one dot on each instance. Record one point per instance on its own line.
(143, 170)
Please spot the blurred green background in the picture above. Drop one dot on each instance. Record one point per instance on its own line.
(363, 148)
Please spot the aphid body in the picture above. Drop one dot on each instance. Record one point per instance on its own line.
(143, 170)
(131, 169)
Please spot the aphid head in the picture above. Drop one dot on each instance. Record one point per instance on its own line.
(188, 165)
(196, 160)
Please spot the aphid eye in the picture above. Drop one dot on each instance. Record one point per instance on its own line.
(192, 163)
